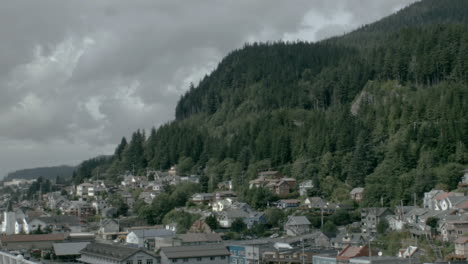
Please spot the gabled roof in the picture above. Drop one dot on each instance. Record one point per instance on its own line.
(352, 252)
(200, 237)
(195, 251)
(119, 253)
(461, 240)
(67, 249)
(297, 220)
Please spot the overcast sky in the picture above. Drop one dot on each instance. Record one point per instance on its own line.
(76, 76)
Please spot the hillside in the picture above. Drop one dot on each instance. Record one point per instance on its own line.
(51, 173)
(383, 107)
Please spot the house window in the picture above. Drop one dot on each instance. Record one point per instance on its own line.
(199, 259)
(129, 261)
(212, 258)
(174, 260)
(223, 257)
(460, 232)
(140, 261)
(185, 259)
(149, 261)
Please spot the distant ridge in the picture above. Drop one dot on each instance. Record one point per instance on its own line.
(51, 173)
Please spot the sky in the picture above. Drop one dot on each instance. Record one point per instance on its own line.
(76, 76)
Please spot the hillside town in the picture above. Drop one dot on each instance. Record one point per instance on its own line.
(83, 223)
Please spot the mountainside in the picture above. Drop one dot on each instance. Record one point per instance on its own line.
(50, 173)
(383, 107)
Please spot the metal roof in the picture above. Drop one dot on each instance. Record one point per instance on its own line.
(67, 249)
(195, 251)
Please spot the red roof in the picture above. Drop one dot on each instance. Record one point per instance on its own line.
(463, 205)
(32, 238)
(461, 240)
(354, 252)
(444, 195)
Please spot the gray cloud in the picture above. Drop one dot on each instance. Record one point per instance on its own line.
(75, 76)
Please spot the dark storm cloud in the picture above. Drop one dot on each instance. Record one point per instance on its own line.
(75, 76)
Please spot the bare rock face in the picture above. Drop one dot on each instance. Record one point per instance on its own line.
(363, 97)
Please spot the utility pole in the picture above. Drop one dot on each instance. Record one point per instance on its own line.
(303, 251)
(321, 215)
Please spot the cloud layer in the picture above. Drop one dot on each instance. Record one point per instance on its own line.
(75, 76)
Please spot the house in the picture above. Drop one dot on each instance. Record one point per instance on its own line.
(148, 197)
(284, 187)
(290, 203)
(441, 200)
(357, 194)
(80, 209)
(128, 199)
(146, 238)
(225, 185)
(222, 205)
(57, 224)
(109, 212)
(464, 181)
(281, 187)
(370, 217)
(25, 242)
(98, 253)
(109, 226)
(453, 229)
(344, 239)
(206, 254)
(225, 194)
(109, 229)
(350, 252)
(314, 203)
(250, 218)
(305, 186)
(297, 225)
(202, 197)
(429, 200)
(461, 247)
(452, 202)
(99, 205)
(85, 189)
(68, 252)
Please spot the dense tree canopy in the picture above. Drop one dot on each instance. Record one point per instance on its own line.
(385, 106)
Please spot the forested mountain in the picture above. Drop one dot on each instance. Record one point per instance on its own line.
(50, 173)
(383, 107)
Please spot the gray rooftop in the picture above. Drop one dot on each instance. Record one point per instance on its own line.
(67, 249)
(142, 233)
(195, 251)
(119, 253)
(298, 220)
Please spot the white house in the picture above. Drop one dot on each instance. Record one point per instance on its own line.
(85, 189)
(305, 186)
(141, 237)
(222, 205)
